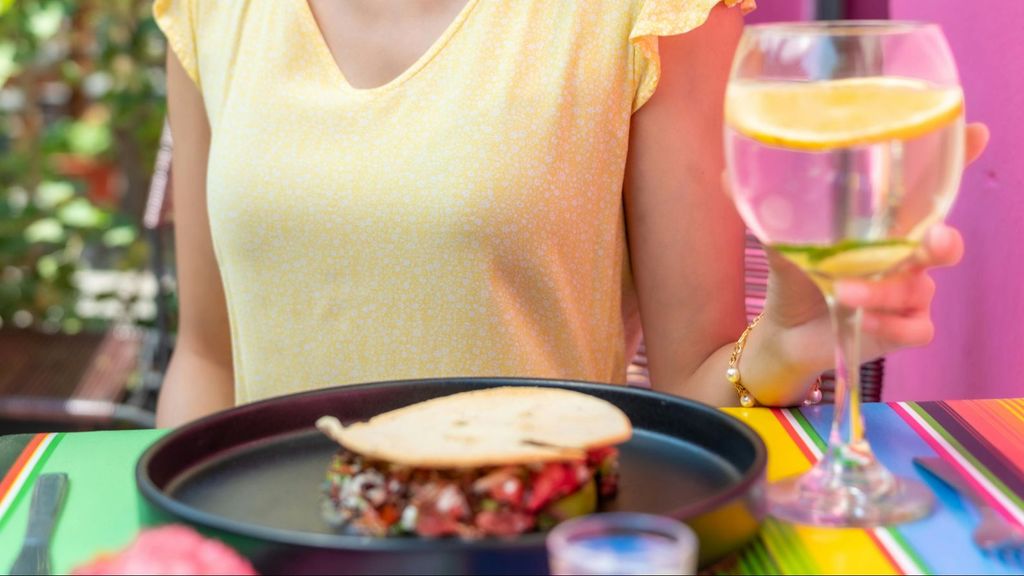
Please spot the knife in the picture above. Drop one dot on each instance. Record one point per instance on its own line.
(47, 499)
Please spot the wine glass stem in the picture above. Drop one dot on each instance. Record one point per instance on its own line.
(847, 435)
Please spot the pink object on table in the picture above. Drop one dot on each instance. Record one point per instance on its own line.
(171, 549)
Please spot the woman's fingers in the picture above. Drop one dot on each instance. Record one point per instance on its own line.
(897, 308)
(906, 294)
(914, 330)
(943, 246)
(912, 290)
(976, 139)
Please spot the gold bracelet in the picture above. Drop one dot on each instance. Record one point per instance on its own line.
(732, 374)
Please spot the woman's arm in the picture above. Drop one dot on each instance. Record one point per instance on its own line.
(686, 239)
(200, 377)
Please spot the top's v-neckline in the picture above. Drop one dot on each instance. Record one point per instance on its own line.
(315, 33)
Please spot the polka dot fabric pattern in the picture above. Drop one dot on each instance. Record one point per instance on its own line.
(464, 219)
(660, 18)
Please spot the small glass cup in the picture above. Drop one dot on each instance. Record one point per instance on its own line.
(622, 543)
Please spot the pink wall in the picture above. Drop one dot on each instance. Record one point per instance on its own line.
(978, 351)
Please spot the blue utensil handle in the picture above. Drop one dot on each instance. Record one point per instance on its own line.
(952, 477)
(47, 499)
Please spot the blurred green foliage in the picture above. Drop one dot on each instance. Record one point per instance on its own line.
(81, 112)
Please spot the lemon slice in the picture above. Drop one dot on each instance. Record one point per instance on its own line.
(839, 113)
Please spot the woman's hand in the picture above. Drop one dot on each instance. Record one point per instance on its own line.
(897, 309)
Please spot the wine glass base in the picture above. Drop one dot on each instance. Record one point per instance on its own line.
(905, 500)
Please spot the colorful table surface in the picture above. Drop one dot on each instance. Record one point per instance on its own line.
(984, 439)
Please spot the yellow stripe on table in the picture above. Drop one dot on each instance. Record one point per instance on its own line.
(802, 549)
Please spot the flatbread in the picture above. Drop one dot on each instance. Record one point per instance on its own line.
(491, 427)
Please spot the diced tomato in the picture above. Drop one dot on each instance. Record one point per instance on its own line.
(441, 507)
(504, 522)
(554, 480)
(389, 514)
(371, 523)
(434, 525)
(508, 491)
(597, 455)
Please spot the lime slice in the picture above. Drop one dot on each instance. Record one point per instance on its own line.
(849, 259)
(867, 261)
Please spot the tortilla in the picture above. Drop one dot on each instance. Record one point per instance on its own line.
(491, 427)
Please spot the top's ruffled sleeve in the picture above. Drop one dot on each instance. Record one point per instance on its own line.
(177, 20)
(656, 18)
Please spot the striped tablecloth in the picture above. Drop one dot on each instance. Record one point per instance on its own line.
(983, 438)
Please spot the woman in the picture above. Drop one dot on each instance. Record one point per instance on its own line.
(383, 189)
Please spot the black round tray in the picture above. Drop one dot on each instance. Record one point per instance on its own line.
(251, 476)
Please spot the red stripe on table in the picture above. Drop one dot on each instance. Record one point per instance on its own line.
(896, 566)
(20, 463)
(795, 436)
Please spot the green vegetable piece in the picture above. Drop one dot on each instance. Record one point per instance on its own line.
(579, 503)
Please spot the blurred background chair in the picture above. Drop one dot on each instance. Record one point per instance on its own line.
(91, 380)
(59, 382)
(82, 105)
(157, 222)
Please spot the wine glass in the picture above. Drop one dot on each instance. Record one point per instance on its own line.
(844, 144)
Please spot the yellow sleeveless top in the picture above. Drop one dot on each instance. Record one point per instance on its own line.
(465, 219)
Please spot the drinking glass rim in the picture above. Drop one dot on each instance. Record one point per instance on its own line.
(840, 28)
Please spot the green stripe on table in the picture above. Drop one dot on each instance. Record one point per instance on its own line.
(101, 512)
(808, 429)
(23, 492)
(787, 549)
(763, 563)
